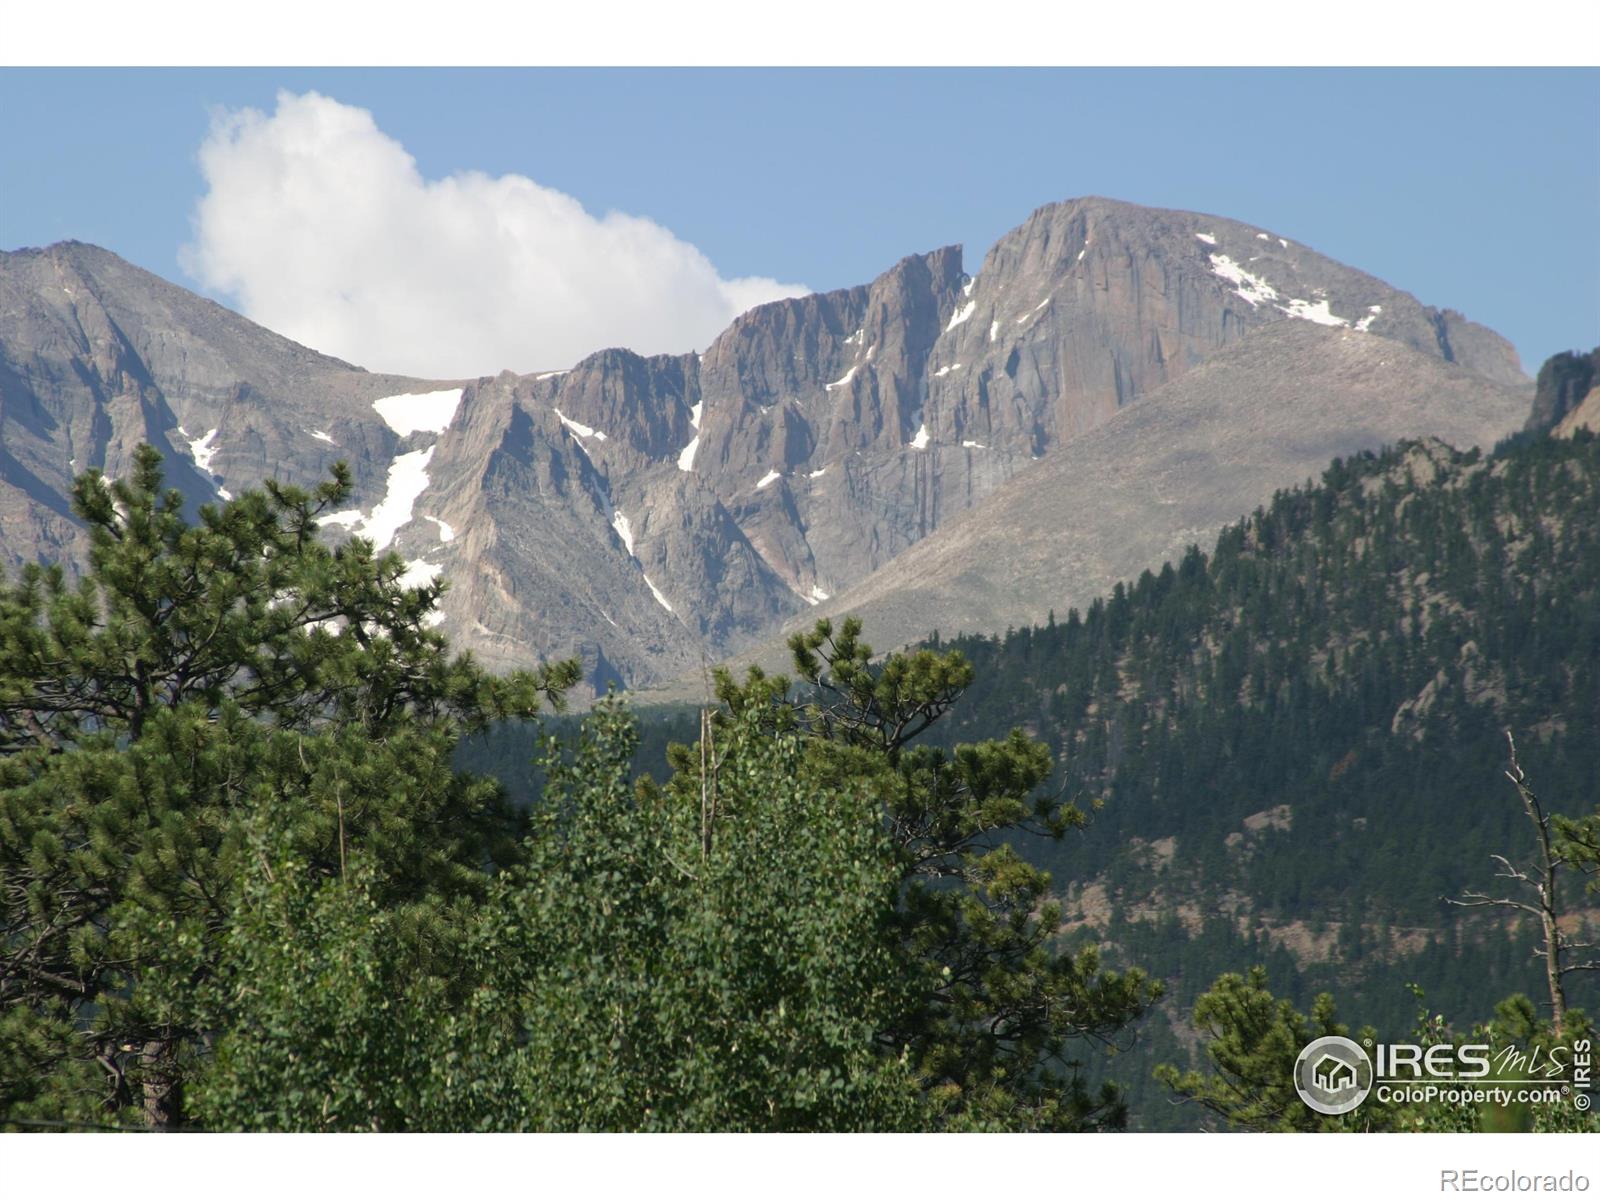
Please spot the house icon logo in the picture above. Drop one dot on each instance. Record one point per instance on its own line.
(1333, 1075)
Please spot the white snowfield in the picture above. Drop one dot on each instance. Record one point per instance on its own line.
(656, 592)
(420, 573)
(202, 450)
(816, 597)
(842, 381)
(1318, 312)
(1207, 238)
(446, 532)
(323, 437)
(1255, 291)
(974, 445)
(578, 427)
(961, 314)
(769, 477)
(943, 371)
(686, 455)
(820, 471)
(408, 479)
(430, 411)
(624, 529)
(920, 442)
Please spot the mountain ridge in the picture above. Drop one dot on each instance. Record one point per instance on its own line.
(650, 513)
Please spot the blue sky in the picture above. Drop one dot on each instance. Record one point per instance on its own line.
(1474, 189)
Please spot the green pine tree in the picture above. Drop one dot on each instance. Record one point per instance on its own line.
(198, 677)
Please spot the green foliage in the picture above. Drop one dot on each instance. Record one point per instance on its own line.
(1253, 1039)
(999, 1006)
(196, 677)
(322, 1020)
(703, 961)
(648, 966)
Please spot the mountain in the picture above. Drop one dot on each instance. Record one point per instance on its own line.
(649, 514)
(97, 355)
(1265, 412)
(1567, 393)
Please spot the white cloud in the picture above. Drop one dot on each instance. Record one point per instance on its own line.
(318, 225)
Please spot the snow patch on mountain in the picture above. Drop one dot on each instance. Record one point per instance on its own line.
(656, 592)
(842, 381)
(920, 442)
(961, 314)
(1207, 238)
(1255, 291)
(686, 455)
(578, 427)
(769, 477)
(420, 573)
(408, 479)
(447, 532)
(204, 451)
(1250, 288)
(1318, 312)
(430, 411)
(624, 529)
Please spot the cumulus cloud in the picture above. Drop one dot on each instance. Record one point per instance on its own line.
(318, 225)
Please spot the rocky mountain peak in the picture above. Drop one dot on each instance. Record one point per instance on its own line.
(649, 513)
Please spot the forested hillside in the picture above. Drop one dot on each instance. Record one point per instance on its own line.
(1296, 742)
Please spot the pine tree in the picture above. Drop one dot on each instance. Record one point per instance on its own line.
(999, 1014)
(197, 677)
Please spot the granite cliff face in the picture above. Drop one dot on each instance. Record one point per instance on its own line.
(1265, 413)
(649, 514)
(1564, 394)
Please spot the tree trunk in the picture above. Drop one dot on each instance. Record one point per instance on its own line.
(162, 1095)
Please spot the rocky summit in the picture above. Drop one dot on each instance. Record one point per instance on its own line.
(650, 515)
